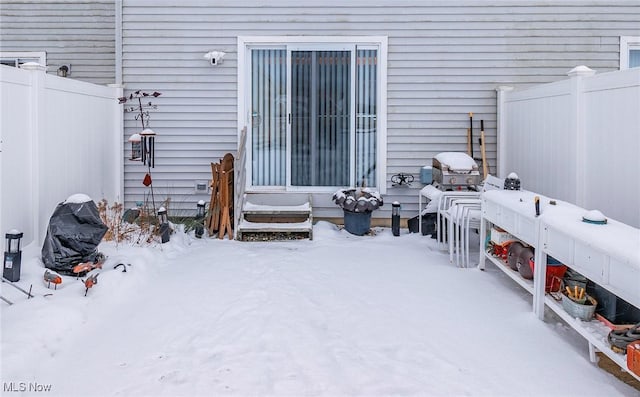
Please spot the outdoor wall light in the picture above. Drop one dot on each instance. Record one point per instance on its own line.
(64, 70)
(215, 57)
(12, 256)
(136, 147)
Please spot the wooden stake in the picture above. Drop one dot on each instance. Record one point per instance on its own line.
(470, 135)
(485, 167)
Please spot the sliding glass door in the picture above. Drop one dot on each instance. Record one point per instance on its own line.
(320, 123)
(314, 117)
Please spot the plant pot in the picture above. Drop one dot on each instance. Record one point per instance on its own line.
(357, 223)
(582, 311)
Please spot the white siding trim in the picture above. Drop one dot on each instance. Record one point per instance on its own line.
(40, 55)
(382, 115)
(627, 43)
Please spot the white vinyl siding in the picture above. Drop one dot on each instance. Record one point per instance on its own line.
(79, 33)
(445, 59)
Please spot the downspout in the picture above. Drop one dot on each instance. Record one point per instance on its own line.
(118, 44)
(120, 114)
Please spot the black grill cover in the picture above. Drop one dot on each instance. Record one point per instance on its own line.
(74, 232)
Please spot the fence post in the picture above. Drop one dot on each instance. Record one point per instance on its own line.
(577, 127)
(36, 126)
(119, 135)
(501, 133)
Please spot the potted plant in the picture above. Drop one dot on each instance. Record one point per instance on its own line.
(357, 205)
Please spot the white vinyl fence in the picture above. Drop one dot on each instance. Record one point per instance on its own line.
(58, 137)
(577, 140)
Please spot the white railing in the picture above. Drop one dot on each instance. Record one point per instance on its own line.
(59, 137)
(240, 180)
(576, 140)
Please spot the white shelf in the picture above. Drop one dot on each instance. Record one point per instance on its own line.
(515, 276)
(560, 232)
(593, 331)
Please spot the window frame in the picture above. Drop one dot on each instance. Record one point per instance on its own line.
(247, 43)
(30, 56)
(627, 43)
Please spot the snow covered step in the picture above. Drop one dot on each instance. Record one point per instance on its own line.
(276, 213)
(251, 208)
(247, 226)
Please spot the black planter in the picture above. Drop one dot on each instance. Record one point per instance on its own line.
(357, 223)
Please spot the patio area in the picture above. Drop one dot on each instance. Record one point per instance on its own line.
(339, 315)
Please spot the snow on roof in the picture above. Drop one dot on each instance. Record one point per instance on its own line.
(456, 161)
(78, 198)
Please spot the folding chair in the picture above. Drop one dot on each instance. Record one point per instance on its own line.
(460, 214)
(444, 202)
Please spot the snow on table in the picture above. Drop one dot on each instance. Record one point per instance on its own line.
(614, 237)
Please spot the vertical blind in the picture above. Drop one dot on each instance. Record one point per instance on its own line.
(366, 116)
(268, 117)
(321, 109)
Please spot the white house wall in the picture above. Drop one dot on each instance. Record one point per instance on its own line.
(79, 33)
(445, 59)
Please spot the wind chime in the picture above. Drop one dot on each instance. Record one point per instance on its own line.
(143, 144)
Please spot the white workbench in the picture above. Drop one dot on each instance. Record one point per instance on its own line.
(609, 255)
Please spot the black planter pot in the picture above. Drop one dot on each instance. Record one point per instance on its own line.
(357, 223)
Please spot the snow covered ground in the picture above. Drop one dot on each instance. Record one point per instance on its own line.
(339, 315)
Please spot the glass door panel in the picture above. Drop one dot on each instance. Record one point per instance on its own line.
(320, 122)
(366, 116)
(268, 116)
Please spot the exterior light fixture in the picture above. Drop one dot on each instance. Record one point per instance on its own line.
(64, 70)
(165, 229)
(215, 57)
(201, 209)
(12, 256)
(395, 218)
(136, 147)
(199, 218)
(162, 215)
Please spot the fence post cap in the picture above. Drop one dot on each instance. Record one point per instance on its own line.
(32, 66)
(581, 71)
(505, 88)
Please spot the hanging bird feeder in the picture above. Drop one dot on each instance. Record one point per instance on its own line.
(136, 147)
